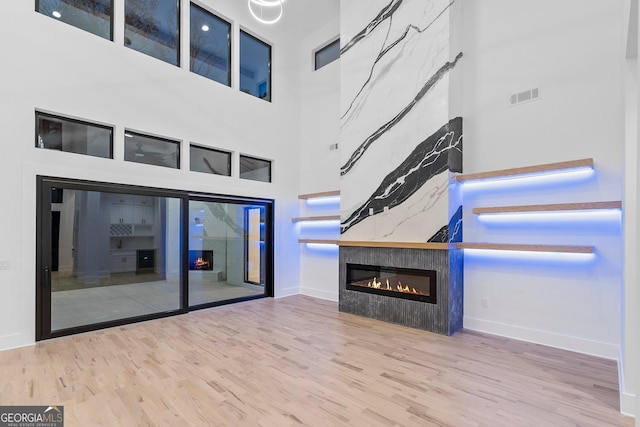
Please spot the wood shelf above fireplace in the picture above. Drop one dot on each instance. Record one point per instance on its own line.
(320, 194)
(316, 218)
(402, 245)
(527, 248)
(319, 241)
(585, 206)
(527, 170)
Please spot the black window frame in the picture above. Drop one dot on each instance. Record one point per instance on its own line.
(111, 23)
(269, 65)
(230, 42)
(322, 49)
(39, 113)
(216, 150)
(256, 158)
(178, 36)
(178, 143)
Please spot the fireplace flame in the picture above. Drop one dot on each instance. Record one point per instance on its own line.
(376, 284)
(201, 264)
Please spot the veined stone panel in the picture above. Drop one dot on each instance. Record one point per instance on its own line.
(399, 140)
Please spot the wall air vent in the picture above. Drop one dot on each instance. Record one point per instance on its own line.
(526, 96)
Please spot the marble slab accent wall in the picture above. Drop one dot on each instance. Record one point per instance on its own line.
(400, 142)
(400, 137)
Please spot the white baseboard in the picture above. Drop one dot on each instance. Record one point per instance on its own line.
(317, 293)
(565, 342)
(628, 404)
(8, 342)
(281, 293)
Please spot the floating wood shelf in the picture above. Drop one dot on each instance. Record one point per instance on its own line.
(549, 208)
(319, 241)
(527, 248)
(549, 167)
(321, 194)
(404, 245)
(316, 218)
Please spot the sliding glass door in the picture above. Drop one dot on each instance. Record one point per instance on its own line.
(110, 254)
(218, 265)
(106, 256)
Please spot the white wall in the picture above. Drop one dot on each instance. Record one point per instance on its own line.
(630, 379)
(319, 167)
(572, 52)
(55, 67)
(319, 115)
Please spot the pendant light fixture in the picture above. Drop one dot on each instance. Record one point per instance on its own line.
(266, 11)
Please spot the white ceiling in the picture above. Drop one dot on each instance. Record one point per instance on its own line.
(305, 16)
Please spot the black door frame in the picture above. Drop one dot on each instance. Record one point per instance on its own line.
(44, 185)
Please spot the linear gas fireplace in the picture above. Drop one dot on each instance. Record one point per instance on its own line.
(419, 288)
(397, 282)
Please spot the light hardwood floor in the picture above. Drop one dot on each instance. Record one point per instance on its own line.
(298, 361)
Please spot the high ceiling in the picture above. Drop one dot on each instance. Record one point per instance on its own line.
(305, 16)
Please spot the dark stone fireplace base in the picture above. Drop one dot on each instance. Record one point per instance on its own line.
(444, 317)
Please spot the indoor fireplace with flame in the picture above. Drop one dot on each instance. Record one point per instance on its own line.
(407, 283)
(200, 260)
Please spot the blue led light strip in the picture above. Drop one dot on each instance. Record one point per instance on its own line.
(538, 178)
(531, 255)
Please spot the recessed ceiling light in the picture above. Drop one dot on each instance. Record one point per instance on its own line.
(56, 14)
(205, 28)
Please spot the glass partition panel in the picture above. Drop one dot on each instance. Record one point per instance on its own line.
(226, 259)
(94, 16)
(117, 257)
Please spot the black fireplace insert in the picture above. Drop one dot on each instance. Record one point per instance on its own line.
(408, 283)
(201, 260)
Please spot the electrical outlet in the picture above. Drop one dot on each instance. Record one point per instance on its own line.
(484, 302)
(4, 264)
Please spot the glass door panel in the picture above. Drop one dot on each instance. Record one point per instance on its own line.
(217, 253)
(112, 256)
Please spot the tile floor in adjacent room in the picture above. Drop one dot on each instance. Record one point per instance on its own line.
(80, 306)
